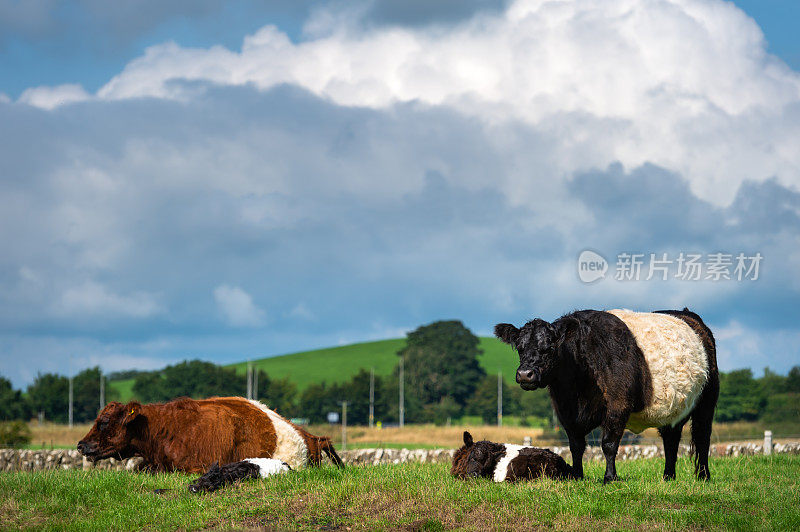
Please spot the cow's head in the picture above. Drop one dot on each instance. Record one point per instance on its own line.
(112, 432)
(537, 344)
(476, 459)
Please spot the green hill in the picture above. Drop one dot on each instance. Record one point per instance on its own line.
(339, 364)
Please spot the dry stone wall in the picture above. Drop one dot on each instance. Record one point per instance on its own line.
(29, 460)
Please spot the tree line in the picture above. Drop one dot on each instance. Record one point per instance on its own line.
(443, 380)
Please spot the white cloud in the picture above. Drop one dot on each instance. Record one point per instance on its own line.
(685, 84)
(94, 299)
(432, 173)
(237, 307)
(52, 97)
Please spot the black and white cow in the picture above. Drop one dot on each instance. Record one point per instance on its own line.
(250, 468)
(618, 369)
(504, 462)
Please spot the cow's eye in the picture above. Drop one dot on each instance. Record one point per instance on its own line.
(102, 426)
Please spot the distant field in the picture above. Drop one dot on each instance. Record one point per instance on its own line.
(746, 493)
(339, 364)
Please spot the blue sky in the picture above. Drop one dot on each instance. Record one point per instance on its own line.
(231, 180)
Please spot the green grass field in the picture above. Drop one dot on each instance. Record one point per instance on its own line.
(339, 364)
(746, 493)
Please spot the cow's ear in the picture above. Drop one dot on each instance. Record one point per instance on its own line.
(506, 332)
(132, 411)
(467, 439)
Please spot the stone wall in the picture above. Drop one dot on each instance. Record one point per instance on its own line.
(626, 452)
(27, 460)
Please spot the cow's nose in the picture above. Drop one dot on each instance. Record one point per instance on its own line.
(524, 376)
(85, 447)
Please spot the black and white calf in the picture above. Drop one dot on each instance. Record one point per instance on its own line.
(251, 468)
(504, 462)
(618, 369)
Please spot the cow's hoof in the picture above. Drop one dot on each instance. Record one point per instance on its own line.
(669, 477)
(610, 478)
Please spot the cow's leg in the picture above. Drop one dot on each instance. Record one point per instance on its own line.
(613, 427)
(702, 417)
(577, 444)
(671, 437)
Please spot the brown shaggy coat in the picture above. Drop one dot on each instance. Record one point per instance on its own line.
(190, 435)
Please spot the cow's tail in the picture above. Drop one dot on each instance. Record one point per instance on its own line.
(326, 445)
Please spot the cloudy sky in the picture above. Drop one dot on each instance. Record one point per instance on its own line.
(217, 180)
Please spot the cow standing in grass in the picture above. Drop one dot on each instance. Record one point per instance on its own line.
(190, 435)
(616, 369)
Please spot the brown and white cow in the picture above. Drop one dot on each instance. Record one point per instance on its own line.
(190, 435)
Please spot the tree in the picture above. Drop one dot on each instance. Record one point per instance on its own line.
(439, 413)
(12, 404)
(195, 378)
(317, 400)
(356, 393)
(14, 434)
(441, 360)
(484, 401)
(150, 387)
(533, 403)
(782, 407)
(49, 394)
(793, 380)
(86, 395)
(280, 395)
(200, 379)
(126, 374)
(771, 383)
(740, 397)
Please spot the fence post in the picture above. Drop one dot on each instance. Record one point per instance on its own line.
(767, 442)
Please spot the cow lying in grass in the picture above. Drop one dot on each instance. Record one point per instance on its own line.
(190, 435)
(503, 462)
(252, 468)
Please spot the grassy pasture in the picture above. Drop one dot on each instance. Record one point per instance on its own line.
(745, 493)
(339, 364)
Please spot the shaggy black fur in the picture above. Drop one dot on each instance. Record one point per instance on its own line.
(703, 413)
(479, 459)
(598, 376)
(217, 476)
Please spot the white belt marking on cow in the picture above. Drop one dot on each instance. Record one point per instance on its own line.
(268, 466)
(501, 469)
(678, 366)
(290, 446)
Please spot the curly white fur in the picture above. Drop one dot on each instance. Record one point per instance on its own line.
(501, 469)
(678, 366)
(268, 466)
(291, 447)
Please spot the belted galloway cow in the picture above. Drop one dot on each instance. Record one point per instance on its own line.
(616, 369)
